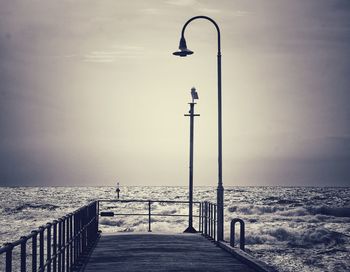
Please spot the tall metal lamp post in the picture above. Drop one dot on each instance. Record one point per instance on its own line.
(190, 228)
(183, 52)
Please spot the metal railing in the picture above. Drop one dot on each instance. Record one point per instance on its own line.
(149, 213)
(63, 244)
(57, 246)
(209, 220)
(242, 233)
(207, 214)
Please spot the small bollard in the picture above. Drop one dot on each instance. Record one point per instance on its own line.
(242, 233)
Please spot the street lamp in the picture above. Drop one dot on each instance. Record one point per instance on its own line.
(183, 52)
(190, 228)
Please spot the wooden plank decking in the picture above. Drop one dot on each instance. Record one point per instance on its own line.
(160, 252)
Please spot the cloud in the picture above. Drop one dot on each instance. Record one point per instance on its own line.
(108, 56)
(209, 10)
(150, 11)
(241, 13)
(182, 3)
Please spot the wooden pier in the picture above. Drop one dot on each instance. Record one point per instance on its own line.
(155, 252)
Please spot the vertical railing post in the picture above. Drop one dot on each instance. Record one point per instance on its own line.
(212, 220)
(149, 216)
(206, 218)
(83, 220)
(200, 215)
(9, 257)
(41, 247)
(79, 233)
(215, 210)
(59, 246)
(209, 219)
(76, 238)
(86, 227)
(71, 239)
(48, 247)
(89, 228)
(97, 215)
(54, 246)
(63, 243)
(67, 243)
(24, 254)
(96, 218)
(34, 250)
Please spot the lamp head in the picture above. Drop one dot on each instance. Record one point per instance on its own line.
(184, 51)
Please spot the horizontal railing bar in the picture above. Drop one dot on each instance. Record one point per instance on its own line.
(153, 214)
(146, 201)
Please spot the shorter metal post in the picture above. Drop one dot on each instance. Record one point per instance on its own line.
(59, 245)
(242, 233)
(212, 220)
(9, 257)
(206, 218)
(41, 247)
(63, 249)
(67, 243)
(199, 217)
(34, 251)
(209, 219)
(97, 215)
(215, 209)
(76, 238)
(24, 254)
(202, 215)
(54, 246)
(149, 216)
(48, 247)
(71, 238)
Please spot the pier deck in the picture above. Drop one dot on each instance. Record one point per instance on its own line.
(160, 252)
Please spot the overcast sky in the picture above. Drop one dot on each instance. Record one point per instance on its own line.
(91, 94)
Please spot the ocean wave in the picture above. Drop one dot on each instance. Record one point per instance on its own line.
(295, 212)
(253, 209)
(308, 238)
(319, 236)
(112, 223)
(290, 211)
(168, 212)
(331, 211)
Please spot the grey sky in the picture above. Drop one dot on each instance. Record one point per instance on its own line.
(89, 92)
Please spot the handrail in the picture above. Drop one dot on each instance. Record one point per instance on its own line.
(144, 200)
(61, 242)
(209, 220)
(149, 213)
(242, 233)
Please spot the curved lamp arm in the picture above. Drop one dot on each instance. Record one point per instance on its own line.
(207, 18)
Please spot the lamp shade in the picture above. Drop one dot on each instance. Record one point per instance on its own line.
(184, 51)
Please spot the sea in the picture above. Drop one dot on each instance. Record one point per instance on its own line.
(290, 228)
